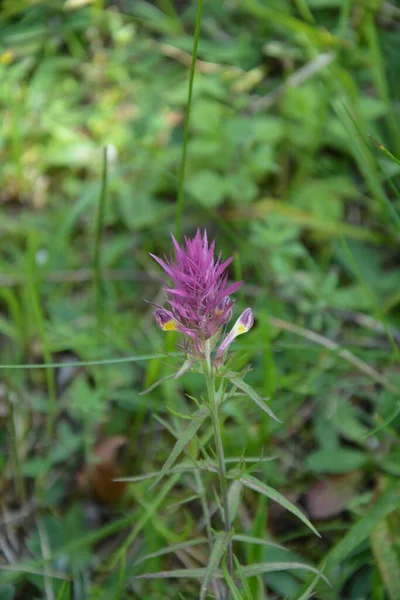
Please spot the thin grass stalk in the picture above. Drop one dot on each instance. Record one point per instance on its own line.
(15, 456)
(182, 169)
(46, 553)
(379, 75)
(34, 298)
(168, 8)
(97, 273)
(344, 17)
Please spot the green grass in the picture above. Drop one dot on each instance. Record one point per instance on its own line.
(220, 115)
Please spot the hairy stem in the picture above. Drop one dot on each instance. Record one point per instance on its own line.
(220, 453)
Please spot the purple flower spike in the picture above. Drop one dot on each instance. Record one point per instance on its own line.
(198, 296)
(242, 325)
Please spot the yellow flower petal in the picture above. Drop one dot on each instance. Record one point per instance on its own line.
(170, 326)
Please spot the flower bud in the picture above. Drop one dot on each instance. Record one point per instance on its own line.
(224, 309)
(164, 320)
(242, 325)
(244, 322)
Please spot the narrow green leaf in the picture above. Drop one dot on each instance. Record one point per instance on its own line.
(178, 574)
(184, 437)
(33, 292)
(156, 384)
(183, 501)
(245, 584)
(181, 468)
(307, 593)
(178, 414)
(385, 150)
(262, 488)
(249, 459)
(34, 571)
(386, 558)
(97, 266)
(385, 423)
(305, 11)
(89, 363)
(249, 539)
(220, 545)
(279, 18)
(271, 567)
(252, 394)
(64, 592)
(181, 371)
(234, 495)
(171, 549)
(386, 503)
(234, 590)
(185, 466)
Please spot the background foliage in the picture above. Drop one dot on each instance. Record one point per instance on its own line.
(283, 170)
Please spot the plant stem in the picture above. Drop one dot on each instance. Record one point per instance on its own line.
(207, 519)
(220, 454)
(182, 169)
(97, 266)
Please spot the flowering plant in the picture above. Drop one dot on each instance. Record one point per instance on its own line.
(199, 305)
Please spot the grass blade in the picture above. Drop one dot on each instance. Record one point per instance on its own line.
(306, 594)
(386, 558)
(305, 11)
(245, 584)
(272, 567)
(89, 363)
(33, 293)
(97, 274)
(178, 574)
(64, 593)
(183, 467)
(385, 151)
(170, 549)
(249, 539)
(20, 568)
(386, 504)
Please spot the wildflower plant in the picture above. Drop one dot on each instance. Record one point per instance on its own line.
(199, 304)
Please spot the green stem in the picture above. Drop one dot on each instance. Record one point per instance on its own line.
(34, 299)
(220, 453)
(206, 513)
(182, 169)
(15, 454)
(97, 266)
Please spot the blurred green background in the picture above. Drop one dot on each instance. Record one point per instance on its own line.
(291, 166)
